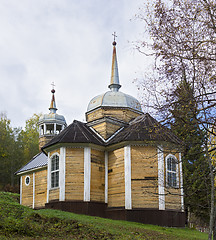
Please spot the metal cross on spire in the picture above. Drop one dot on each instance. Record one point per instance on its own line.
(53, 85)
(114, 35)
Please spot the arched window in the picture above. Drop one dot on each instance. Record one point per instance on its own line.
(55, 171)
(171, 171)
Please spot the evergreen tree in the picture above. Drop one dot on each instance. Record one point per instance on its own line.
(195, 167)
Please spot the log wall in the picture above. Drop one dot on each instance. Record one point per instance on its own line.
(144, 177)
(54, 194)
(116, 182)
(40, 188)
(106, 129)
(97, 176)
(27, 191)
(125, 115)
(74, 175)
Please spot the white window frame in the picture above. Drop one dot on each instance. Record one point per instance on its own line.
(55, 170)
(27, 184)
(170, 171)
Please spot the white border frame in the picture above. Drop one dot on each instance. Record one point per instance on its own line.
(127, 167)
(87, 174)
(177, 171)
(161, 191)
(29, 180)
(49, 163)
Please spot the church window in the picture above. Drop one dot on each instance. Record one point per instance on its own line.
(27, 180)
(55, 171)
(171, 171)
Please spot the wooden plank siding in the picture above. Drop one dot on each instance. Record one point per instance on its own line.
(144, 177)
(27, 191)
(40, 188)
(173, 199)
(125, 115)
(97, 176)
(106, 129)
(116, 182)
(54, 194)
(74, 175)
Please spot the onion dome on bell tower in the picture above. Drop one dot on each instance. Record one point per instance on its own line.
(108, 112)
(50, 124)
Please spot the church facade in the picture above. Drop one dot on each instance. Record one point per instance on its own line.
(119, 164)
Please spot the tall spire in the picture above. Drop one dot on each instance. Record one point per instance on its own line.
(53, 108)
(114, 83)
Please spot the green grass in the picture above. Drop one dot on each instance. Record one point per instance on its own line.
(19, 222)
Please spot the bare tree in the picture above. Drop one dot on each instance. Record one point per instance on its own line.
(183, 45)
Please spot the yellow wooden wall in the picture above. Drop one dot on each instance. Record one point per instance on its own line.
(40, 188)
(53, 194)
(27, 191)
(121, 114)
(144, 177)
(116, 181)
(97, 176)
(74, 176)
(106, 129)
(43, 140)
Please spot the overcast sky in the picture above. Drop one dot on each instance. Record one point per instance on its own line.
(68, 42)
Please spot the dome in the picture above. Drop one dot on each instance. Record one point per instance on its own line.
(114, 99)
(52, 117)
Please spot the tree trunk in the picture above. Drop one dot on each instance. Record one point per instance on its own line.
(212, 210)
(214, 229)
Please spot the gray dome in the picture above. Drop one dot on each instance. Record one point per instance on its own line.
(114, 99)
(52, 117)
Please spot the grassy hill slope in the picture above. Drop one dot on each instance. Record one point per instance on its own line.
(19, 222)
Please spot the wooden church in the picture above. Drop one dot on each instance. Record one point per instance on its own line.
(119, 164)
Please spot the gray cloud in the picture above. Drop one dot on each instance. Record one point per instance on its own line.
(68, 42)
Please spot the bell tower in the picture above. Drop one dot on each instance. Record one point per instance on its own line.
(50, 124)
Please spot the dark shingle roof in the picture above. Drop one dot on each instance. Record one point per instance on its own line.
(142, 128)
(145, 128)
(77, 132)
(39, 160)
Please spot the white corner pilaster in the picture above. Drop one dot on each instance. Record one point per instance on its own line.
(127, 166)
(181, 182)
(44, 129)
(33, 203)
(54, 128)
(62, 174)
(48, 177)
(20, 189)
(106, 177)
(161, 182)
(87, 173)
